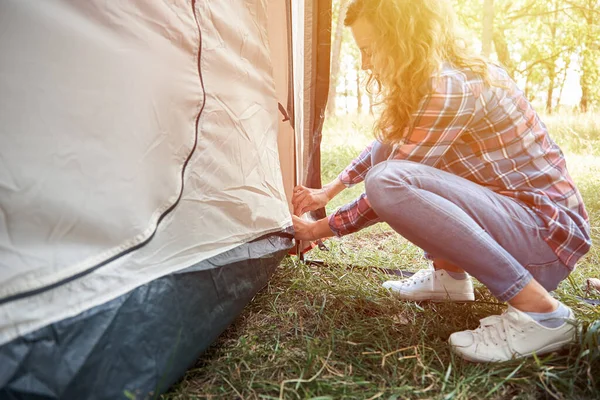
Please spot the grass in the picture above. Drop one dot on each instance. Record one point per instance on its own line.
(333, 333)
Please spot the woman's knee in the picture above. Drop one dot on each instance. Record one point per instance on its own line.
(377, 180)
(389, 178)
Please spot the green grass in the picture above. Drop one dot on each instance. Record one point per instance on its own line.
(333, 333)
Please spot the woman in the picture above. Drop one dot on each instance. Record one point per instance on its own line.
(463, 168)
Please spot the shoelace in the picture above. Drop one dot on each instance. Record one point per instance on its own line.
(496, 329)
(419, 275)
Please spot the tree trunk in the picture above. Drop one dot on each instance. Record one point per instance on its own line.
(552, 64)
(336, 50)
(346, 93)
(550, 93)
(487, 27)
(562, 84)
(583, 81)
(527, 85)
(503, 52)
(358, 90)
(587, 62)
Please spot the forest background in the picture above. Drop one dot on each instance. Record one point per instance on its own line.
(550, 47)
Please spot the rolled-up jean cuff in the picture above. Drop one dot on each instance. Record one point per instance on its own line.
(515, 288)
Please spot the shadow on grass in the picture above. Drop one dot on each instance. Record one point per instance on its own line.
(334, 333)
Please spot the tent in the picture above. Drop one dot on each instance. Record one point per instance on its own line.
(147, 154)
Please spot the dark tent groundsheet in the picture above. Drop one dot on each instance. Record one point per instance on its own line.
(143, 341)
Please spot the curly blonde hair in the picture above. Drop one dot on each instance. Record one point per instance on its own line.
(414, 38)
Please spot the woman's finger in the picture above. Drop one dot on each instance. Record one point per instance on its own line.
(296, 201)
(306, 205)
(300, 196)
(299, 207)
(300, 189)
(299, 200)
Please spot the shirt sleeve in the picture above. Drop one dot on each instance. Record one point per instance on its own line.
(353, 217)
(358, 168)
(442, 116)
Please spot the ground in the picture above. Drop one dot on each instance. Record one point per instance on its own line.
(332, 332)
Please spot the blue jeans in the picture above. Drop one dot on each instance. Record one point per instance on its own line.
(493, 237)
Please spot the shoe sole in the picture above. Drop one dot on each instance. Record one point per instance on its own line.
(544, 350)
(435, 296)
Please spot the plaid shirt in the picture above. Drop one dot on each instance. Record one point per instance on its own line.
(491, 136)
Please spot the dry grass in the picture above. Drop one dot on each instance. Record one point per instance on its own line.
(333, 333)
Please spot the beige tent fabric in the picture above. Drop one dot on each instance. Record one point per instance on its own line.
(98, 109)
(279, 35)
(302, 20)
(90, 159)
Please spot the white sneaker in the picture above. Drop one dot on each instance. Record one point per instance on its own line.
(429, 284)
(514, 334)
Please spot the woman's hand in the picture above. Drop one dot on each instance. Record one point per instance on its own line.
(306, 199)
(304, 230)
(311, 230)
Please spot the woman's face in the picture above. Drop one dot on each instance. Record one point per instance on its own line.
(364, 34)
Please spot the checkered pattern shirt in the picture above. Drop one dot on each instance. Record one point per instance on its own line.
(492, 136)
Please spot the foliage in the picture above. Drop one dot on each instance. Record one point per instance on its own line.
(550, 47)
